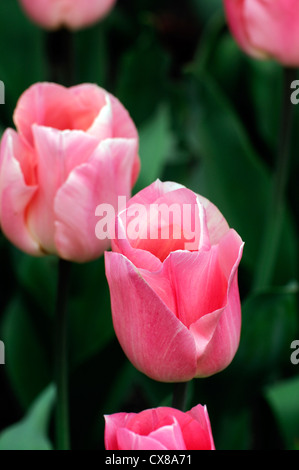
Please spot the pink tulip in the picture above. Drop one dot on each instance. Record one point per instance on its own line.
(74, 148)
(160, 429)
(174, 297)
(266, 28)
(72, 14)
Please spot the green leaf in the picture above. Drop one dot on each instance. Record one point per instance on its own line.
(31, 432)
(26, 359)
(37, 279)
(269, 322)
(234, 177)
(283, 399)
(89, 308)
(156, 141)
(18, 70)
(142, 77)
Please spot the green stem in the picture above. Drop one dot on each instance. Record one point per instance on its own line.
(274, 223)
(61, 357)
(60, 53)
(179, 397)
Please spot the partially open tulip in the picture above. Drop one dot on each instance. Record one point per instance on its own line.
(72, 14)
(160, 429)
(266, 28)
(74, 148)
(173, 284)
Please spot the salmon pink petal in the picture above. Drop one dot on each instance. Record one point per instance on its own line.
(105, 176)
(140, 258)
(216, 223)
(60, 152)
(235, 13)
(170, 436)
(128, 440)
(15, 195)
(165, 349)
(217, 335)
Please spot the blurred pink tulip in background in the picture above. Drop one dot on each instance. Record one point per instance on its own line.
(71, 14)
(266, 28)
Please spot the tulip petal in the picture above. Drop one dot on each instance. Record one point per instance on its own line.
(217, 335)
(200, 414)
(112, 423)
(273, 28)
(124, 127)
(168, 218)
(153, 339)
(216, 223)
(207, 276)
(16, 195)
(84, 107)
(140, 258)
(101, 180)
(200, 275)
(235, 14)
(58, 153)
(128, 440)
(170, 436)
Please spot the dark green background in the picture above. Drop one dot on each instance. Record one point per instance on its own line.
(209, 118)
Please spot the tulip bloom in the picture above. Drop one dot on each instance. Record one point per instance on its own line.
(71, 14)
(73, 149)
(266, 28)
(160, 429)
(173, 284)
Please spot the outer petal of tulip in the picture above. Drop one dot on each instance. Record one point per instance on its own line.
(235, 13)
(61, 152)
(15, 194)
(200, 414)
(105, 176)
(154, 340)
(224, 343)
(53, 14)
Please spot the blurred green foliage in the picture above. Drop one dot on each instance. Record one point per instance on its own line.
(209, 118)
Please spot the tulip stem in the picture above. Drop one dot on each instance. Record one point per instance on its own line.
(179, 397)
(60, 53)
(61, 357)
(276, 213)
